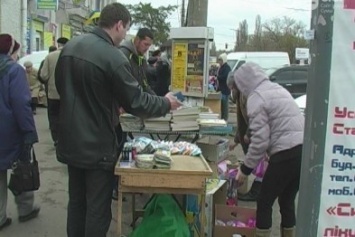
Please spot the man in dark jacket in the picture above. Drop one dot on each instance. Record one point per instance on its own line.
(93, 78)
(151, 73)
(222, 75)
(163, 77)
(17, 126)
(134, 50)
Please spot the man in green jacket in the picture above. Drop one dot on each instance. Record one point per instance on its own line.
(135, 50)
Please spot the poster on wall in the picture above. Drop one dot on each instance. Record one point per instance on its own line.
(47, 5)
(179, 64)
(195, 68)
(48, 39)
(66, 31)
(337, 204)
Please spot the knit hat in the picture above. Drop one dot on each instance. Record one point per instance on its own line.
(62, 40)
(8, 45)
(223, 57)
(28, 64)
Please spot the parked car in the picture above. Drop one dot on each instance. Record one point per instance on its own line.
(301, 102)
(294, 78)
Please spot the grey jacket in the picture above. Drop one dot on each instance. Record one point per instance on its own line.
(275, 121)
(48, 71)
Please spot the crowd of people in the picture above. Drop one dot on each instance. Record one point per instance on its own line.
(94, 77)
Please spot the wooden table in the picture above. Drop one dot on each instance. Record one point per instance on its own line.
(187, 175)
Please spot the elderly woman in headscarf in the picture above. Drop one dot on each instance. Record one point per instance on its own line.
(276, 126)
(34, 83)
(17, 128)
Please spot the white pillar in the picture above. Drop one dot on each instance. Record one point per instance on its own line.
(23, 27)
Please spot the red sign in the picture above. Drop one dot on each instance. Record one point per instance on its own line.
(349, 4)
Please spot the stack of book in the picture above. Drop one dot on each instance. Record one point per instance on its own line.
(205, 115)
(214, 125)
(130, 122)
(158, 124)
(185, 118)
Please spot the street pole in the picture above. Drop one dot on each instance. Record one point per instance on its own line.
(182, 24)
(197, 11)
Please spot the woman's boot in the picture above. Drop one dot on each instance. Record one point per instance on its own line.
(262, 232)
(288, 232)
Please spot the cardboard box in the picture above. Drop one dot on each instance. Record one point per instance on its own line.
(214, 148)
(215, 194)
(227, 213)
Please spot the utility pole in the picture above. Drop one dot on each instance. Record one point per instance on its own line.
(182, 24)
(197, 11)
(323, 198)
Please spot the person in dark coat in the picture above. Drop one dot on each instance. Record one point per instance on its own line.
(152, 73)
(222, 75)
(163, 77)
(17, 127)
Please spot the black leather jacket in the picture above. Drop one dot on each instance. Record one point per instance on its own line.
(94, 78)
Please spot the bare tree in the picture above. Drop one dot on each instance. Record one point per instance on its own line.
(242, 36)
(213, 50)
(284, 34)
(256, 40)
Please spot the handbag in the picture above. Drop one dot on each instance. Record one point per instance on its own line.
(25, 173)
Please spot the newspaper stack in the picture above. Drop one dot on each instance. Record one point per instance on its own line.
(162, 159)
(145, 161)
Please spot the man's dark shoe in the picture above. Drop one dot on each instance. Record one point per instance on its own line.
(115, 195)
(253, 193)
(31, 215)
(6, 223)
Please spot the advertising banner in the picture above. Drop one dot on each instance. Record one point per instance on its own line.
(337, 203)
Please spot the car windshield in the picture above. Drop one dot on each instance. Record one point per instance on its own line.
(270, 71)
(232, 63)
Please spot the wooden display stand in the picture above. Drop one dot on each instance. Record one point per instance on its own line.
(187, 175)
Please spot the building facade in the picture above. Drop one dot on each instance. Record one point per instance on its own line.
(11, 18)
(37, 29)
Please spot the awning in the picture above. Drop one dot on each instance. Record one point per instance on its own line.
(94, 17)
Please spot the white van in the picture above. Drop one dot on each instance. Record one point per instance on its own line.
(267, 60)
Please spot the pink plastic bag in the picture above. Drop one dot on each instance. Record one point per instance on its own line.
(260, 169)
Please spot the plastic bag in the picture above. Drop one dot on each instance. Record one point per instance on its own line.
(162, 218)
(260, 169)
